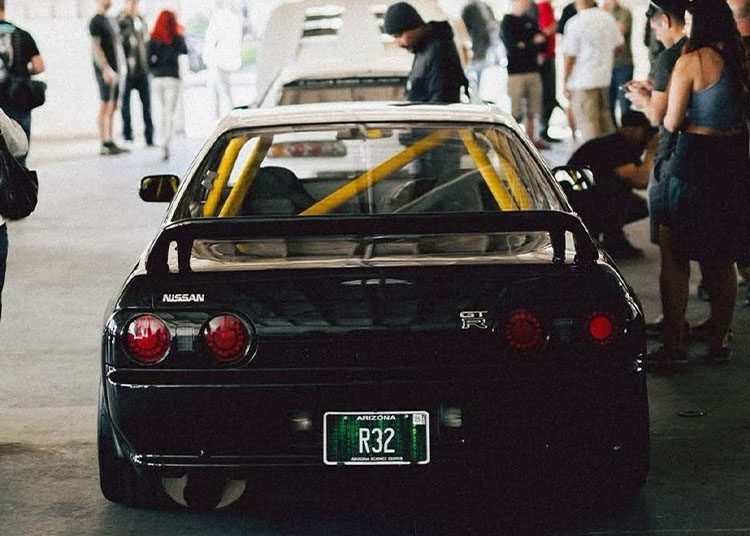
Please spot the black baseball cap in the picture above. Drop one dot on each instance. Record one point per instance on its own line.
(674, 8)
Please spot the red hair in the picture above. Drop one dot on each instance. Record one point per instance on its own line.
(166, 27)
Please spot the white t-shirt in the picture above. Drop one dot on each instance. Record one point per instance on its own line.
(223, 42)
(591, 36)
(15, 137)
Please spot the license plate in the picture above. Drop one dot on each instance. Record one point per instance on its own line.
(376, 438)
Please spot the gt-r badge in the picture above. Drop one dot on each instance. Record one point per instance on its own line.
(473, 319)
(183, 298)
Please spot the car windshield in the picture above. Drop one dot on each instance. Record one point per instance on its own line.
(355, 170)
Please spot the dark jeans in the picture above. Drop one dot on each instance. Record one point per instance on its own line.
(23, 119)
(3, 260)
(141, 84)
(620, 75)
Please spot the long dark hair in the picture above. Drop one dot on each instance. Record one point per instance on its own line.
(714, 26)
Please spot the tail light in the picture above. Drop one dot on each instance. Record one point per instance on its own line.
(147, 339)
(600, 328)
(226, 338)
(523, 332)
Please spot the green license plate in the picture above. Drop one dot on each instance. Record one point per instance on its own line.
(376, 438)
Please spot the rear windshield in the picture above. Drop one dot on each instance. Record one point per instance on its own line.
(360, 169)
(344, 90)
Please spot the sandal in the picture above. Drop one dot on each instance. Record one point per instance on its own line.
(719, 356)
(665, 357)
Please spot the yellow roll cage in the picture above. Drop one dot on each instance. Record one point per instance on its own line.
(513, 197)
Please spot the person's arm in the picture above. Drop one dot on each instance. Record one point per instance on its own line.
(637, 174)
(568, 63)
(15, 137)
(36, 65)
(680, 90)
(108, 74)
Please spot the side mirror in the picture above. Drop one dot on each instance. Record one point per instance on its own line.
(158, 188)
(574, 179)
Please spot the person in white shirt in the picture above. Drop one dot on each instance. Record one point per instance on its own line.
(591, 39)
(18, 144)
(222, 54)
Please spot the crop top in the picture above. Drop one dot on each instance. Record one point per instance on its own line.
(716, 106)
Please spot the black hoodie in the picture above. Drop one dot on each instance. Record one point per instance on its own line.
(436, 74)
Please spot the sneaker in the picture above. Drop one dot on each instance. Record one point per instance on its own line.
(665, 357)
(109, 148)
(112, 148)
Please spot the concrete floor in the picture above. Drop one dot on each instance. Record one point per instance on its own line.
(68, 259)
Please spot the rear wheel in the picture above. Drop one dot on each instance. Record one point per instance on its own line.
(118, 479)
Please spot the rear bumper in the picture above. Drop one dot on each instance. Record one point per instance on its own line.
(239, 424)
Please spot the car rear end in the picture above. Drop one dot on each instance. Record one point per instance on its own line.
(391, 316)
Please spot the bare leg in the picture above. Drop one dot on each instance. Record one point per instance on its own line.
(529, 125)
(720, 278)
(101, 122)
(673, 284)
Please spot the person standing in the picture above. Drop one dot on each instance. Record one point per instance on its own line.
(164, 49)
(222, 54)
(18, 145)
(548, 26)
(524, 43)
(703, 213)
(622, 69)
(104, 51)
(590, 42)
(436, 74)
(741, 12)
(483, 29)
(133, 34)
(19, 57)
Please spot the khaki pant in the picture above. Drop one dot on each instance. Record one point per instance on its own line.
(525, 87)
(591, 112)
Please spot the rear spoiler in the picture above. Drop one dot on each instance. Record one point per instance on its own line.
(553, 222)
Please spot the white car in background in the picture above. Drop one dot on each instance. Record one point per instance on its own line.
(328, 51)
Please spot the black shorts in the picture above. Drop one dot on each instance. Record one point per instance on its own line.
(107, 92)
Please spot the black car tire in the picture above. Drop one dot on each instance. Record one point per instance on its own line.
(118, 480)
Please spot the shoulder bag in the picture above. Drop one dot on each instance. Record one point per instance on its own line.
(18, 186)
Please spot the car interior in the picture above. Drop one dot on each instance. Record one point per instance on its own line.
(374, 171)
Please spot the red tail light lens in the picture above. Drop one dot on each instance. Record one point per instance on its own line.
(147, 339)
(600, 327)
(226, 338)
(523, 332)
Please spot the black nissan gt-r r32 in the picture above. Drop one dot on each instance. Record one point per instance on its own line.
(380, 288)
